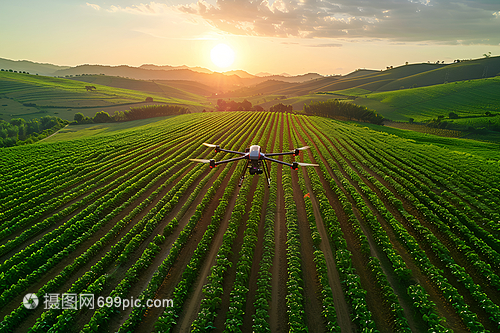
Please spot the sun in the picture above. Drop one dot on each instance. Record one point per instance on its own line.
(222, 55)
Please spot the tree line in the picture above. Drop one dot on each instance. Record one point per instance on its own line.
(333, 108)
(147, 111)
(231, 105)
(19, 131)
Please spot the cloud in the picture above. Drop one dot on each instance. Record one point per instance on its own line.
(153, 8)
(326, 45)
(96, 7)
(444, 21)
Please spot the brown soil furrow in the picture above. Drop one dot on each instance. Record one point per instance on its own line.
(89, 242)
(192, 303)
(373, 297)
(341, 306)
(230, 274)
(444, 308)
(313, 305)
(252, 282)
(136, 290)
(175, 273)
(278, 318)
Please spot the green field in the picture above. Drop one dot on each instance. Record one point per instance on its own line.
(391, 232)
(465, 98)
(64, 97)
(486, 150)
(74, 132)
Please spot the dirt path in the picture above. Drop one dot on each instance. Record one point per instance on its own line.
(254, 273)
(53, 133)
(445, 309)
(84, 246)
(341, 307)
(373, 297)
(278, 318)
(313, 305)
(192, 303)
(230, 275)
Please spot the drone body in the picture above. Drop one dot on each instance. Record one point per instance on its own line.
(255, 160)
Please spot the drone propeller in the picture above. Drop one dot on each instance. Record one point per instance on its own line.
(297, 150)
(209, 145)
(307, 164)
(199, 160)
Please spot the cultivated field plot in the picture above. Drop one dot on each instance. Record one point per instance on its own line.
(385, 236)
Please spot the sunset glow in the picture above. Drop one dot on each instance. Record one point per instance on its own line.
(222, 55)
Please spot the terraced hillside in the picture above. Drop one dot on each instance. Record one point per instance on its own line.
(32, 96)
(387, 235)
(465, 98)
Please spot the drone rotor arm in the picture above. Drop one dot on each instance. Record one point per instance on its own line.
(232, 151)
(231, 160)
(278, 161)
(280, 154)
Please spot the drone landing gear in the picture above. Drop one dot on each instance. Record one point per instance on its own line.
(266, 173)
(243, 173)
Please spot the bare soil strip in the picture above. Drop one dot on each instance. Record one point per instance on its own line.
(313, 305)
(453, 321)
(175, 272)
(374, 298)
(85, 245)
(230, 274)
(192, 303)
(341, 306)
(278, 318)
(252, 282)
(458, 257)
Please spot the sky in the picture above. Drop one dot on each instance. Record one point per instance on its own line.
(328, 37)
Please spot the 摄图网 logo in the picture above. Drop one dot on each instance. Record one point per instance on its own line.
(30, 301)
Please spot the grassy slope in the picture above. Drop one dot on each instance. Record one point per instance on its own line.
(48, 92)
(486, 150)
(76, 132)
(151, 87)
(466, 98)
(465, 70)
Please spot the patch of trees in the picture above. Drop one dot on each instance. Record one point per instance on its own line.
(281, 108)
(147, 111)
(19, 131)
(333, 108)
(231, 105)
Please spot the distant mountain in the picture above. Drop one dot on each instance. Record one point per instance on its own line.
(240, 73)
(168, 68)
(30, 66)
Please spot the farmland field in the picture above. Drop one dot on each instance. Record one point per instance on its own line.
(386, 235)
(465, 98)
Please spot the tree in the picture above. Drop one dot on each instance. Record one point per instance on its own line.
(453, 115)
(246, 105)
(149, 99)
(281, 108)
(79, 117)
(102, 117)
(17, 121)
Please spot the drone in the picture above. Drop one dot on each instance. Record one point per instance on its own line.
(255, 160)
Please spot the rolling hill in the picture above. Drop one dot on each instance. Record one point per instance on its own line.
(465, 98)
(33, 96)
